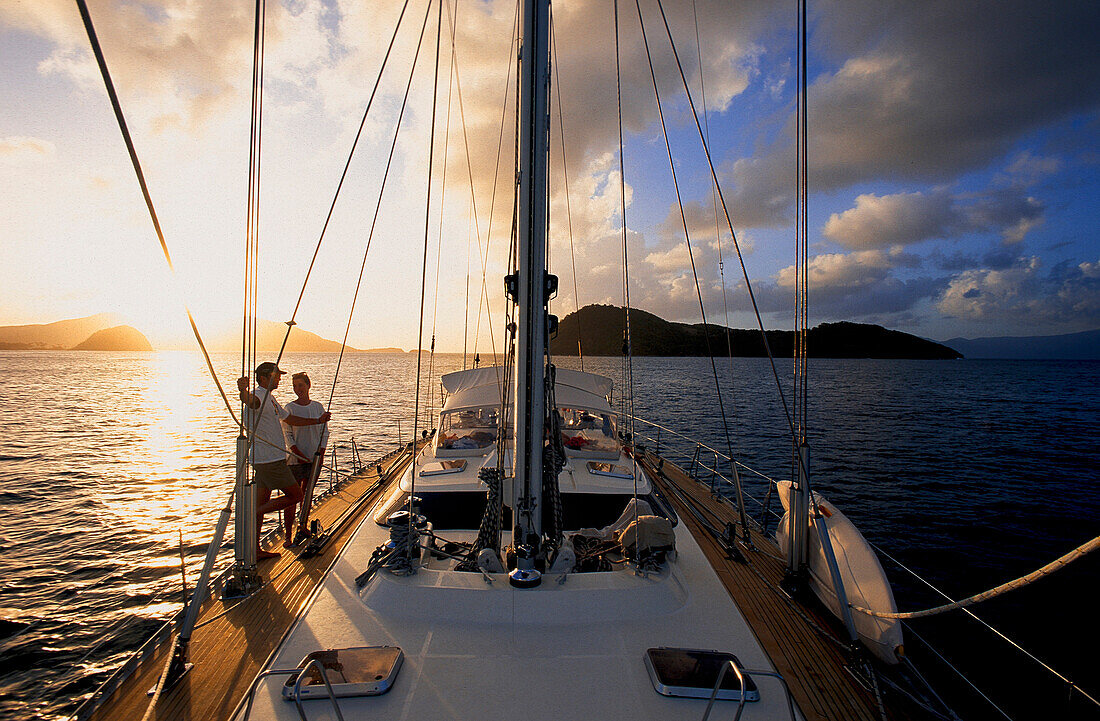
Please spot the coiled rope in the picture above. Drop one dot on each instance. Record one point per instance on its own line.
(1020, 582)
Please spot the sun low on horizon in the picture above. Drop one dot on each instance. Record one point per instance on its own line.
(943, 201)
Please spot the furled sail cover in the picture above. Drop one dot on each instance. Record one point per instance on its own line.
(482, 387)
(588, 382)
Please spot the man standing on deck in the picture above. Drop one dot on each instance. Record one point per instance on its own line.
(305, 442)
(270, 471)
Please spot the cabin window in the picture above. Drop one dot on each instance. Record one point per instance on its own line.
(585, 432)
(469, 429)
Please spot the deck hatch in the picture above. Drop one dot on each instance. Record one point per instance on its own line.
(693, 673)
(440, 468)
(359, 671)
(609, 469)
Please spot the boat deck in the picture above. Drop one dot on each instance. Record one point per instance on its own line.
(221, 673)
(814, 667)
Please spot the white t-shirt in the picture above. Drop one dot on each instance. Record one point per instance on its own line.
(268, 428)
(307, 438)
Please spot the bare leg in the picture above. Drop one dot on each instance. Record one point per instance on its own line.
(288, 523)
(263, 497)
(290, 496)
(307, 495)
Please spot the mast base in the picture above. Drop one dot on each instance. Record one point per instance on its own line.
(243, 582)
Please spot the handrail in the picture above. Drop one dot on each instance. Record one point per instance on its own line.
(732, 664)
(718, 473)
(700, 443)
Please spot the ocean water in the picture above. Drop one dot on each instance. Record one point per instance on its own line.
(969, 472)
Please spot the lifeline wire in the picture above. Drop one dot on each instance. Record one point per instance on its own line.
(87, 18)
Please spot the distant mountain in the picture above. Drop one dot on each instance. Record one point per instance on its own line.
(383, 350)
(1070, 346)
(66, 334)
(599, 328)
(119, 338)
(269, 338)
(62, 335)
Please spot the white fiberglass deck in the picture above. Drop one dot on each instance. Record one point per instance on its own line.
(560, 651)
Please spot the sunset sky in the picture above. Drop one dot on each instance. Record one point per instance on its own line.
(955, 164)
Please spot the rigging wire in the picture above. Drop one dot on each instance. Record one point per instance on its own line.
(698, 291)
(729, 224)
(385, 176)
(116, 105)
(442, 212)
(628, 371)
(565, 177)
(249, 349)
(484, 256)
(473, 198)
(466, 310)
(424, 267)
(713, 193)
(332, 206)
(801, 387)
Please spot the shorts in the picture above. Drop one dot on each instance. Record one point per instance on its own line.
(275, 475)
(300, 471)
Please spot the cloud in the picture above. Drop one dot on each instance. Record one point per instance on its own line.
(908, 218)
(25, 148)
(1026, 168)
(944, 87)
(937, 91)
(185, 58)
(1022, 298)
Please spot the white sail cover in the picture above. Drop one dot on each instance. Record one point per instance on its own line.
(479, 387)
(588, 382)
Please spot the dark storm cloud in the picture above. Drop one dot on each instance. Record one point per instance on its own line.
(926, 92)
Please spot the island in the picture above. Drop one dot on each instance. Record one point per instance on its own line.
(599, 331)
(119, 338)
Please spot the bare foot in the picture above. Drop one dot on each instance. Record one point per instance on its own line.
(264, 555)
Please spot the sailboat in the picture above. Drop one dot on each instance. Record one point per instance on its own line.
(529, 557)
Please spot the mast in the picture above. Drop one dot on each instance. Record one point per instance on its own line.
(531, 284)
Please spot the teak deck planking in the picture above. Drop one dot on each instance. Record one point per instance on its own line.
(813, 667)
(229, 651)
